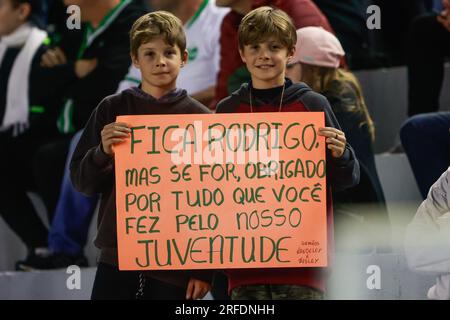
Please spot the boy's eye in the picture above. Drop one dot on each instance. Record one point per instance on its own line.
(149, 53)
(170, 52)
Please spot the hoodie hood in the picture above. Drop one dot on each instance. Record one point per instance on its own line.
(171, 97)
(292, 92)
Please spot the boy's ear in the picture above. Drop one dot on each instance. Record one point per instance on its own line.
(135, 61)
(241, 53)
(24, 11)
(184, 58)
(291, 54)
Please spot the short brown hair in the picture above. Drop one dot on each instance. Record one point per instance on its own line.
(265, 22)
(157, 24)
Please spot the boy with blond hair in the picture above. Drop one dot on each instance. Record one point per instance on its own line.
(158, 50)
(267, 39)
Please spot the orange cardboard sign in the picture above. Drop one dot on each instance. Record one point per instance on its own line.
(221, 191)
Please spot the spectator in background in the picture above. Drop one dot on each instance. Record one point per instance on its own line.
(429, 45)
(426, 141)
(232, 71)
(349, 20)
(86, 67)
(316, 63)
(427, 239)
(69, 228)
(26, 119)
(396, 19)
(77, 68)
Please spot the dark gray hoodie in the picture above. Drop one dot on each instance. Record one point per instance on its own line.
(92, 171)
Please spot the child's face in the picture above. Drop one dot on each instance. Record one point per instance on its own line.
(159, 63)
(266, 62)
(11, 18)
(294, 72)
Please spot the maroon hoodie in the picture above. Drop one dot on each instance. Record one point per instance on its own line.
(342, 173)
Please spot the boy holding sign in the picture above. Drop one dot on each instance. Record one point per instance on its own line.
(158, 50)
(267, 41)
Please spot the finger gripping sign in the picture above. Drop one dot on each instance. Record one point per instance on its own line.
(221, 191)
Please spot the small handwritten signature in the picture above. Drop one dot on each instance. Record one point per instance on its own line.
(308, 251)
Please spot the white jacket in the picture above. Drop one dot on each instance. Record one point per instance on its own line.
(427, 240)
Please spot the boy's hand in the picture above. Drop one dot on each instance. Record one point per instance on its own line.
(197, 289)
(84, 67)
(113, 133)
(53, 57)
(335, 141)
